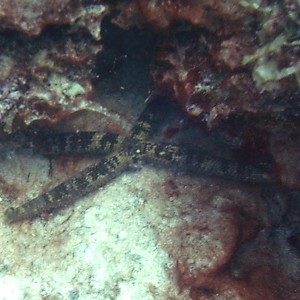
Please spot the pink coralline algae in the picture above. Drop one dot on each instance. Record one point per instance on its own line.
(234, 69)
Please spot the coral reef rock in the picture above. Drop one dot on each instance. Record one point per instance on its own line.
(233, 69)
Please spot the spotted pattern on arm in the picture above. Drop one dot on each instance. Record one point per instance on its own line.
(122, 152)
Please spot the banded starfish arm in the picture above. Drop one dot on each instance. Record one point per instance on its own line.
(69, 191)
(81, 142)
(89, 179)
(201, 163)
(100, 143)
(127, 151)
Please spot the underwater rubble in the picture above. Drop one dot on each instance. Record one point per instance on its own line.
(231, 71)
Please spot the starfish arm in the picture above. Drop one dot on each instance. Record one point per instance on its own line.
(69, 191)
(126, 151)
(94, 142)
(81, 142)
(89, 179)
(201, 163)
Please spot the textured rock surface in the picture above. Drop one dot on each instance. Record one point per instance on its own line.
(164, 13)
(45, 82)
(233, 66)
(31, 17)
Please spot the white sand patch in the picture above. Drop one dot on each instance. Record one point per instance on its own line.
(104, 247)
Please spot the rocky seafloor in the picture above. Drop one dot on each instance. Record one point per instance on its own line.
(231, 70)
